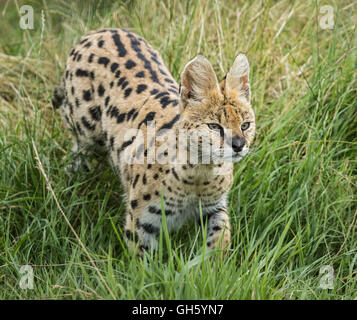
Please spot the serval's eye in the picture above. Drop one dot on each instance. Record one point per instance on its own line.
(214, 126)
(245, 126)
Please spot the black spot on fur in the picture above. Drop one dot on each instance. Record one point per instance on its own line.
(121, 117)
(70, 105)
(125, 83)
(173, 91)
(79, 129)
(87, 96)
(169, 212)
(134, 203)
(95, 112)
(104, 61)
(165, 101)
(147, 65)
(149, 117)
(91, 57)
(58, 97)
(100, 142)
(130, 64)
(156, 60)
(101, 90)
(149, 228)
(142, 247)
(83, 41)
(120, 81)
(141, 88)
(82, 73)
(126, 144)
(120, 46)
(169, 124)
(136, 180)
(140, 74)
(87, 124)
(161, 94)
(135, 115)
(133, 236)
(175, 174)
(112, 111)
(67, 120)
(147, 197)
(114, 66)
(78, 103)
(130, 114)
(168, 80)
(154, 210)
(162, 72)
(106, 101)
(127, 92)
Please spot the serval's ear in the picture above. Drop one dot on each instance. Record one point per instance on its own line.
(198, 80)
(237, 79)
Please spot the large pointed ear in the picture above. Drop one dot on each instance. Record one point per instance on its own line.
(198, 79)
(237, 78)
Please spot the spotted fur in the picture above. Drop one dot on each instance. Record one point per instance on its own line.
(115, 81)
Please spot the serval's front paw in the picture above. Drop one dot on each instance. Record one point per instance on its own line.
(78, 165)
(219, 239)
(136, 245)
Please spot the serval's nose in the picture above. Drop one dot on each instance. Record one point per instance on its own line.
(238, 143)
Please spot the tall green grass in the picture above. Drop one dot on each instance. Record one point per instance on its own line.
(293, 204)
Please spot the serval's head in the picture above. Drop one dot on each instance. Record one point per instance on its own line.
(217, 112)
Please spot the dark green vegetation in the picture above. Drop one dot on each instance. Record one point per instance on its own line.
(293, 205)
